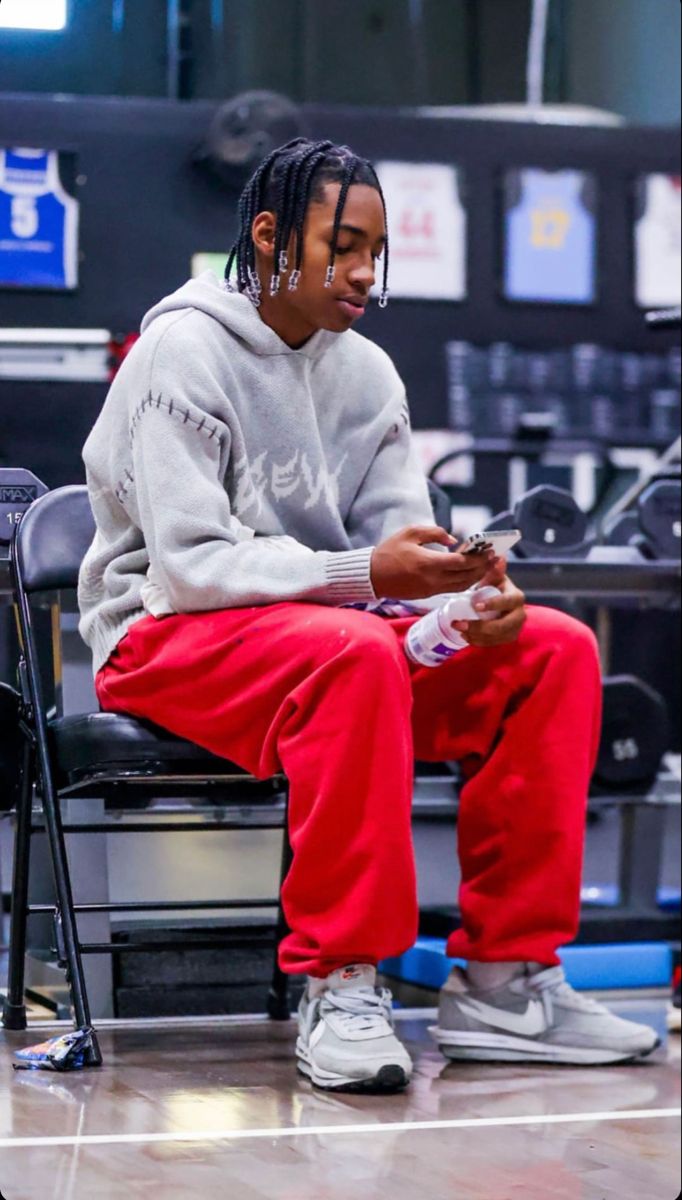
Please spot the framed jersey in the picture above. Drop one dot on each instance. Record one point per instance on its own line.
(427, 220)
(38, 220)
(549, 236)
(658, 241)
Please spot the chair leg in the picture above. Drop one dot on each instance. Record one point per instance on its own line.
(279, 1008)
(66, 919)
(14, 1008)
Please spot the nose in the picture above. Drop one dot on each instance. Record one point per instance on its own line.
(363, 273)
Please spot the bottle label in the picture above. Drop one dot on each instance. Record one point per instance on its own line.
(426, 645)
(444, 651)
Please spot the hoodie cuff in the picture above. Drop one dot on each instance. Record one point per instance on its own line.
(348, 577)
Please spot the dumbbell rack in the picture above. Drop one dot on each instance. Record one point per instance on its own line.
(610, 583)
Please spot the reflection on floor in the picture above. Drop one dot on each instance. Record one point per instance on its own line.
(230, 1089)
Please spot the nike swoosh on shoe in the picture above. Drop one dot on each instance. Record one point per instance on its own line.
(530, 1023)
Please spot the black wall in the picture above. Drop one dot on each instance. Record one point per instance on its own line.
(391, 52)
(621, 55)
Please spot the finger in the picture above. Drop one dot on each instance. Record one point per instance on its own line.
(498, 633)
(458, 562)
(423, 534)
(496, 573)
(486, 556)
(471, 580)
(452, 566)
(457, 566)
(484, 639)
(459, 582)
(508, 602)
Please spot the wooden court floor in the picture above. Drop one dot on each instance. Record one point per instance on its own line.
(218, 1113)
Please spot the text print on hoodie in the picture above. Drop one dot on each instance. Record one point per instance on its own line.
(228, 470)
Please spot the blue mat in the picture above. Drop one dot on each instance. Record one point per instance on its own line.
(635, 965)
(607, 895)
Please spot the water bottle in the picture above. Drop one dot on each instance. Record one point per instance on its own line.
(431, 641)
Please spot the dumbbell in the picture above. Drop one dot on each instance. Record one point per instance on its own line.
(635, 734)
(10, 747)
(18, 489)
(660, 517)
(655, 526)
(552, 523)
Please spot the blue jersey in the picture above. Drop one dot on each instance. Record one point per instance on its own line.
(550, 240)
(38, 222)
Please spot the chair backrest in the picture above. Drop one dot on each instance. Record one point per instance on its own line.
(51, 540)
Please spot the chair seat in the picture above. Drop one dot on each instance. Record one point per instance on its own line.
(95, 743)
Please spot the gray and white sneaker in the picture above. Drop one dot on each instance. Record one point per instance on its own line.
(346, 1040)
(534, 1017)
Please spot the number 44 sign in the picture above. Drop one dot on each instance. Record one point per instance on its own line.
(427, 225)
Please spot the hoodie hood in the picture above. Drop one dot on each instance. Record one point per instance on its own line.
(237, 314)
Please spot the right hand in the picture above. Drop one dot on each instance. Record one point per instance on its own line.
(403, 569)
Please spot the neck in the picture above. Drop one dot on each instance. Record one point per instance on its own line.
(289, 325)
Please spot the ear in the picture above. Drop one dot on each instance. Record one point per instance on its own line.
(263, 232)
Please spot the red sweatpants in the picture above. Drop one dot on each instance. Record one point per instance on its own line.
(327, 696)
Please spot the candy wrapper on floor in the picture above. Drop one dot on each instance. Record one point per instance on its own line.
(64, 1053)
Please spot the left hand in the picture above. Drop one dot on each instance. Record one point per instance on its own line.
(511, 606)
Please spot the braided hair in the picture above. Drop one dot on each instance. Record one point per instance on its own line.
(286, 183)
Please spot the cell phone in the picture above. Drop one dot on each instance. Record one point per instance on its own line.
(499, 540)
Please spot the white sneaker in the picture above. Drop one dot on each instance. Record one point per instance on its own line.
(534, 1017)
(346, 1036)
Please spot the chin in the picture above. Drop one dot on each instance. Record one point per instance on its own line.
(337, 324)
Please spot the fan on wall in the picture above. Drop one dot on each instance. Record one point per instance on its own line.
(244, 130)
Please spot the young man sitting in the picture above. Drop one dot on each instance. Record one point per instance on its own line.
(252, 474)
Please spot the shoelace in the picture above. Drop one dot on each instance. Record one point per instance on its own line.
(359, 1009)
(552, 983)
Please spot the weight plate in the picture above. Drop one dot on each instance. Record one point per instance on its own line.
(18, 489)
(551, 522)
(660, 516)
(635, 733)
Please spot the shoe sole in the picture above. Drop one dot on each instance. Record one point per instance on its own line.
(493, 1047)
(674, 1020)
(390, 1078)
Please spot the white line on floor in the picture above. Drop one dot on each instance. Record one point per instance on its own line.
(234, 1135)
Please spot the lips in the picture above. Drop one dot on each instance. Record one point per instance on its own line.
(355, 301)
(353, 306)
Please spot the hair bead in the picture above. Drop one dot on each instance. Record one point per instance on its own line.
(294, 280)
(330, 276)
(254, 289)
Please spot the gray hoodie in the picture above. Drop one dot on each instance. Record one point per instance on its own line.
(228, 470)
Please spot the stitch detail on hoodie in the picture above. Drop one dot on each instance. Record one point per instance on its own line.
(159, 402)
(211, 431)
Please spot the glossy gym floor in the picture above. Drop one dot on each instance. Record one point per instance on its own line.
(215, 1111)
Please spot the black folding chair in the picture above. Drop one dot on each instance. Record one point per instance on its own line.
(103, 756)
